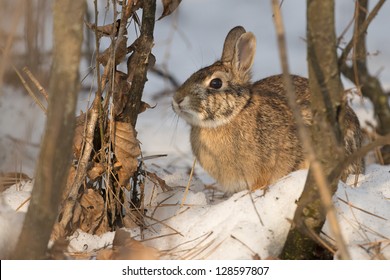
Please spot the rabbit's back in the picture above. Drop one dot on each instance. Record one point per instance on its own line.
(350, 123)
(274, 84)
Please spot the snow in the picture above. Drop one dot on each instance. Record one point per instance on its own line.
(255, 219)
(239, 227)
(11, 221)
(210, 225)
(364, 213)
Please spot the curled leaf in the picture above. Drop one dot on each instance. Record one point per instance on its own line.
(127, 150)
(169, 7)
(105, 30)
(132, 65)
(120, 52)
(158, 181)
(144, 106)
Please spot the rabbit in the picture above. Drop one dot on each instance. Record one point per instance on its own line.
(242, 133)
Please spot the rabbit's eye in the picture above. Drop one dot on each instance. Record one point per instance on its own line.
(216, 83)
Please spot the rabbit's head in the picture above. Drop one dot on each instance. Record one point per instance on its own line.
(215, 94)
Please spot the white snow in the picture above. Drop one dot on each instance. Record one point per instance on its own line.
(364, 213)
(11, 219)
(241, 226)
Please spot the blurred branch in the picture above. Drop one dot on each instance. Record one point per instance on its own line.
(165, 75)
(55, 154)
(362, 29)
(6, 50)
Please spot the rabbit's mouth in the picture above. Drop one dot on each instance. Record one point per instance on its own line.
(190, 116)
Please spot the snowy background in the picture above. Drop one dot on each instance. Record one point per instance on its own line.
(184, 42)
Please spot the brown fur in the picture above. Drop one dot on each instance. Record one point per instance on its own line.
(244, 134)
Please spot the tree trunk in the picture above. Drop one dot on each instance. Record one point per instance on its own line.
(326, 93)
(56, 147)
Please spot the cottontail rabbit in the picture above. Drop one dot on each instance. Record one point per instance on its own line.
(242, 133)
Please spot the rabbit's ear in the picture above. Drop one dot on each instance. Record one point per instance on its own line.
(230, 43)
(244, 54)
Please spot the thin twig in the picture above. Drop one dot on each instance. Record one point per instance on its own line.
(362, 30)
(245, 245)
(355, 40)
(30, 91)
(254, 206)
(164, 224)
(97, 46)
(188, 184)
(361, 209)
(36, 82)
(23, 203)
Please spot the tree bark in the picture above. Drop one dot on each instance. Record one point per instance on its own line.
(139, 63)
(56, 147)
(326, 98)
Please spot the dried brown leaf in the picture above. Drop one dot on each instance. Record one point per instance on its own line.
(105, 30)
(151, 61)
(120, 52)
(158, 181)
(127, 150)
(169, 7)
(93, 219)
(121, 92)
(144, 106)
(132, 63)
(126, 248)
(96, 171)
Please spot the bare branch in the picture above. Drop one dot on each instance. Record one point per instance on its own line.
(362, 31)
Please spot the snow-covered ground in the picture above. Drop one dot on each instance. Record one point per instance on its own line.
(210, 226)
(243, 226)
(249, 224)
